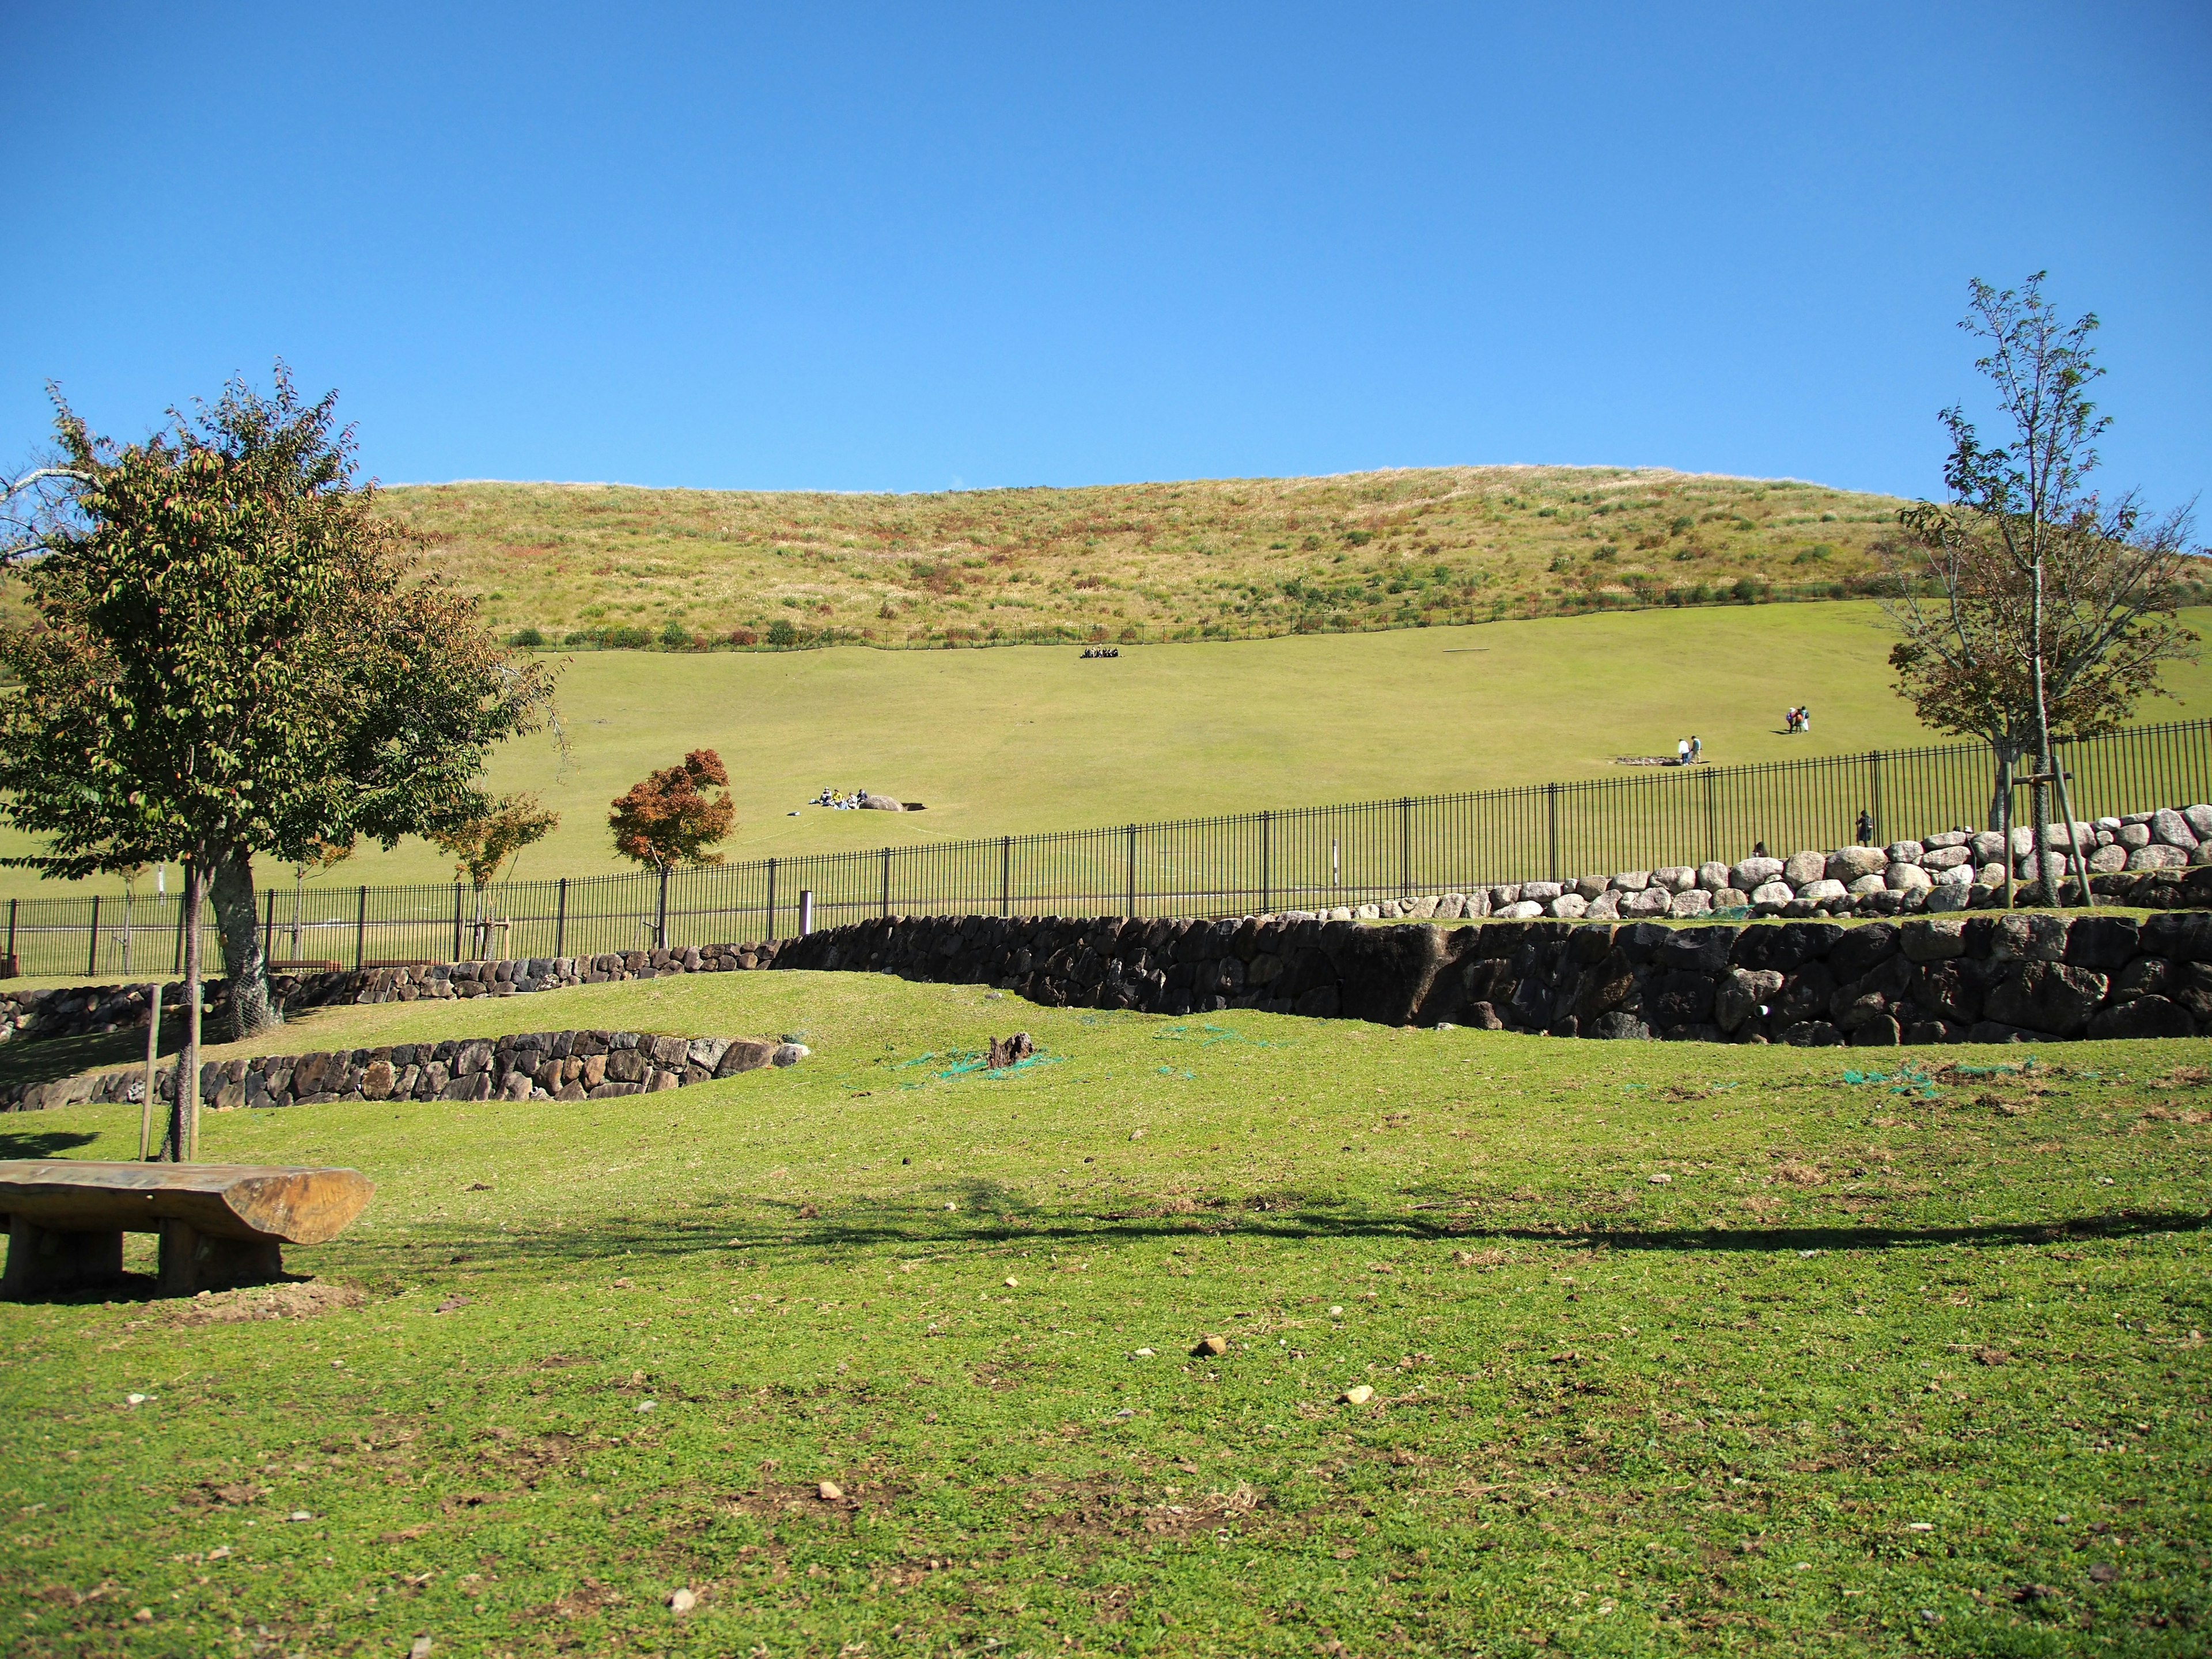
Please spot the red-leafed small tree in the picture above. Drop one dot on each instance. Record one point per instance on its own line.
(668, 818)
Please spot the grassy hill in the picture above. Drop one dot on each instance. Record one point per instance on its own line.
(1213, 559)
(1673, 1349)
(1008, 742)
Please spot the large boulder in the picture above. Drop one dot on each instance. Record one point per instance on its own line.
(1631, 881)
(1906, 878)
(2168, 826)
(1651, 902)
(2142, 1016)
(880, 804)
(1694, 902)
(2199, 819)
(2159, 855)
(1740, 997)
(1802, 867)
(1713, 876)
(2047, 996)
(1568, 907)
(1753, 873)
(1933, 941)
(1946, 858)
(1848, 864)
(1776, 893)
(1675, 878)
(1821, 891)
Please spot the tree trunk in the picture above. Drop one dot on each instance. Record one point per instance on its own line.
(183, 1110)
(250, 1010)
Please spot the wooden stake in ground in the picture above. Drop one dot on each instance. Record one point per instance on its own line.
(152, 1073)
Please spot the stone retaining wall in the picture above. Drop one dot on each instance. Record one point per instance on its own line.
(2013, 977)
(530, 1065)
(2158, 860)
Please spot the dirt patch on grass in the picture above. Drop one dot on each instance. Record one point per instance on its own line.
(297, 1300)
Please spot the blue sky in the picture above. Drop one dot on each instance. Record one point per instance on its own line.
(913, 247)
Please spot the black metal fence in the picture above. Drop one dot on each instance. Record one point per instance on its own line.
(1300, 858)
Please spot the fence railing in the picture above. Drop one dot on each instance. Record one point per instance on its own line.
(1297, 858)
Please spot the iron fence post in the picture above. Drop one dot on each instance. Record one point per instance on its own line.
(268, 926)
(1005, 875)
(361, 930)
(887, 882)
(1873, 790)
(1132, 910)
(91, 956)
(457, 922)
(771, 898)
(561, 920)
(1552, 830)
(660, 913)
(1267, 851)
(11, 935)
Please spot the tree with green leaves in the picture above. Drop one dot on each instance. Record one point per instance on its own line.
(483, 842)
(230, 653)
(2034, 611)
(667, 818)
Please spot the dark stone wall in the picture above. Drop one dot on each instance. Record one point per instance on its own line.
(2024, 976)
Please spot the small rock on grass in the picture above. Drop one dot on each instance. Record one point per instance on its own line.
(1358, 1394)
(830, 1491)
(1210, 1346)
(684, 1601)
(420, 1647)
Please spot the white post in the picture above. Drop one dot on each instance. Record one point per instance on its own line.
(806, 911)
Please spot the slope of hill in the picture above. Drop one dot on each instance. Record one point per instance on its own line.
(1009, 742)
(1229, 559)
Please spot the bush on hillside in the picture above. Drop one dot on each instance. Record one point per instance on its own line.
(528, 638)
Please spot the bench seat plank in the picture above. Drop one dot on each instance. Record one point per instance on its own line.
(252, 1202)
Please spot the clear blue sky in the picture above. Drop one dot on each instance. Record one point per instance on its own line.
(914, 247)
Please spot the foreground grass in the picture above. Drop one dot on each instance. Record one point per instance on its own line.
(1238, 558)
(1881, 1367)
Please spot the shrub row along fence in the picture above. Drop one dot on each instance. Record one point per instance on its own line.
(1300, 858)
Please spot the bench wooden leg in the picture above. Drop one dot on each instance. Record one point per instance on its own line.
(192, 1261)
(41, 1260)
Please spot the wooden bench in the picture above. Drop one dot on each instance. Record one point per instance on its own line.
(220, 1224)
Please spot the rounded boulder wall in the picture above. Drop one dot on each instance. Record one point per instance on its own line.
(1771, 892)
(1906, 878)
(2157, 856)
(1631, 881)
(1822, 891)
(1651, 902)
(2108, 860)
(1946, 858)
(1675, 878)
(1695, 902)
(1906, 852)
(1520, 910)
(1713, 876)
(1731, 898)
(1568, 907)
(2199, 819)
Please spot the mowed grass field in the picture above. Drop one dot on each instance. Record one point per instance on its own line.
(1028, 739)
(1674, 1349)
(1237, 558)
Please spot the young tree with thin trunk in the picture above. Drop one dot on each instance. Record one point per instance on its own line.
(480, 844)
(229, 653)
(2033, 611)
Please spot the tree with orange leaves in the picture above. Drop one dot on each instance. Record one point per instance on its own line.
(668, 818)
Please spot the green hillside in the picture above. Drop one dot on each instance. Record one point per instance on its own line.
(1006, 742)
(1211, 559)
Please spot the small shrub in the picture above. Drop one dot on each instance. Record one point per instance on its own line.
(626, 637)
(1745, 590)
(528, 638)
(781, 633)
(1680, 524)
(743, 636)
(674, 635)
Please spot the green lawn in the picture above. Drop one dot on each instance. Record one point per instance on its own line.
(1884, 1367)
(1031, 739)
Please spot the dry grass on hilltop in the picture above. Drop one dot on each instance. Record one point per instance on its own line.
(1206, 560)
